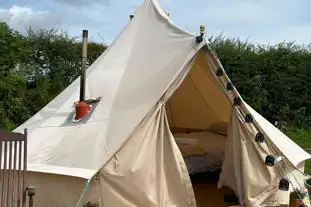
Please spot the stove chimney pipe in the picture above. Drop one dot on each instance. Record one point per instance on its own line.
(83, 65)
(82, 108)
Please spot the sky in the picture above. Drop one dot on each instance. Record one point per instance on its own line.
(257, 21)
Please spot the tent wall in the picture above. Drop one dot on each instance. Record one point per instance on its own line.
(149, 170)
(243, 169)
(61, 191)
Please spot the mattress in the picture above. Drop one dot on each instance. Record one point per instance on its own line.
(202, 151)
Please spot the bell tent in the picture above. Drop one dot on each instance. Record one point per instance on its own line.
(165, 105)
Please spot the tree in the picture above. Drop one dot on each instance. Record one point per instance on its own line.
(34, 69)
(14, 53)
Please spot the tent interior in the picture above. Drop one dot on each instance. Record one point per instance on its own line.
(198, 113)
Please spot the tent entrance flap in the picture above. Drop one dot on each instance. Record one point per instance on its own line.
(198, 113)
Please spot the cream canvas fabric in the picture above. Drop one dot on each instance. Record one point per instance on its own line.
(149, 170)
(131, 76)
(154, 80)
(244, 170)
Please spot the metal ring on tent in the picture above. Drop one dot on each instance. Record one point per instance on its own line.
(270, 161)
(284, 184)
(229, 86)
(219, 72)
(249, 119)
(259, 137)
(237, 101)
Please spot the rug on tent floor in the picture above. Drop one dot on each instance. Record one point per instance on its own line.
(206, 190)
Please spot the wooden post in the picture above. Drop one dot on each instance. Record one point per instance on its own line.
(25, 167)
(83, 65)
(31, 193)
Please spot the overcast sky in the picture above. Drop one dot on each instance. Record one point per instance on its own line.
(258, 21)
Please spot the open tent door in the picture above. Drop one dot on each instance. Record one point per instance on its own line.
(216, 134)
(199, 113)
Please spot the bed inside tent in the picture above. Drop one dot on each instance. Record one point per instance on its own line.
(198, 113)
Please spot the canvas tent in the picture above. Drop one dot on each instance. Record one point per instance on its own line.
(158, 87)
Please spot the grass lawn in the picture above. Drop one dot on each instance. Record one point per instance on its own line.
(303, 138)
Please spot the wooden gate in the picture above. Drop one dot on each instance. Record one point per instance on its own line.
(13, 167)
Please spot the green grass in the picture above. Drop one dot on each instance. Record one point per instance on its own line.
(90, 204)
(302, 137)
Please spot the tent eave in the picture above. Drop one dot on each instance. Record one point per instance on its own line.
(63, 171)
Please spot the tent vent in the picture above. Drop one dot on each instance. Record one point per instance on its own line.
(249, 119)
(131, 16)
(270, 160)
(259, 137)
(220, 72)
(229, 86)
(284, 184)
(237, 101)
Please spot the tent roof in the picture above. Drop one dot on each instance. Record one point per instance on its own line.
(131, 76)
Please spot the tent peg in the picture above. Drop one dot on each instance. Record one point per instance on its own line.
(200, 38)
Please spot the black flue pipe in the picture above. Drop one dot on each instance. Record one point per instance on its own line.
(83, 64)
